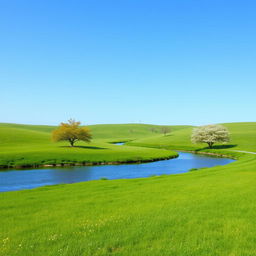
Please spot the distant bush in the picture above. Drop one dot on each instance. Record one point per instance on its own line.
(193, 169)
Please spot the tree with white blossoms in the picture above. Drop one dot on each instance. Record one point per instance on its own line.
(210, 134)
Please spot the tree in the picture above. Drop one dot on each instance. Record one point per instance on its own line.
(71, 132)
(165, 130)
(153, 129)
(210, 134)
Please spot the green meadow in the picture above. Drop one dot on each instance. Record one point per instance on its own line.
(242, 138)
(31, 146)
(208, 212)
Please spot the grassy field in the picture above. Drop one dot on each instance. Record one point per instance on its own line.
(242, 138)
(31, 145)
(210, 212)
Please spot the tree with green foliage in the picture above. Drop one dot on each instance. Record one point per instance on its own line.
(165, 130)
(72, 132)
(210, 134)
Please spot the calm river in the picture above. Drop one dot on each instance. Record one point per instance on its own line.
(32, 178)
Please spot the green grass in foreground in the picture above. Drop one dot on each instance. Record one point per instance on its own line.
(210, 212)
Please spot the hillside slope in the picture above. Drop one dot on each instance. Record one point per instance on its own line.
(243, 137)
(31, 145)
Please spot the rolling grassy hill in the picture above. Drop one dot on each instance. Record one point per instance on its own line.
(104, 131)
(207, 212)
(30, 145)
(242, 138)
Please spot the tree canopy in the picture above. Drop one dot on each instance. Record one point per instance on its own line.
(165, 130)
(71, 132)
(210, 134)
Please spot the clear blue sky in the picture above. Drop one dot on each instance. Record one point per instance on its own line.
(123, 61)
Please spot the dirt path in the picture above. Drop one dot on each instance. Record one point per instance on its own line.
(248, 152)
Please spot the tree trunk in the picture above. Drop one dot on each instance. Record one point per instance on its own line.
(71, 143)
(210, 144)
